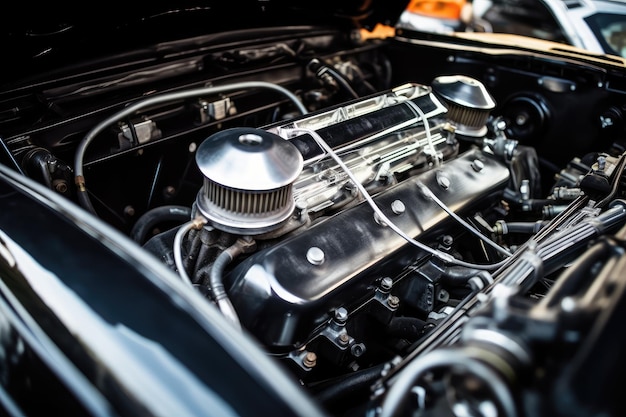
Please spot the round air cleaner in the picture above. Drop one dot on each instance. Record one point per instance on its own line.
(248, 177)
(468, 101)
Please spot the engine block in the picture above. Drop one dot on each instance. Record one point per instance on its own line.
(343, 255)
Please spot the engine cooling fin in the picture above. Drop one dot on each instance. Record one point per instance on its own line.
(248, 180)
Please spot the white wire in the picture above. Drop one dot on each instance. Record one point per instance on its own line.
(429, 137)
(439, 254)
(440, 203)
(456, 217)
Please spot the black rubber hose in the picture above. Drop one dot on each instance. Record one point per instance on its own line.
(353, 384)
(578, 274)
(456, 276)
(524, 227)
(158, 215)
(321, 70)
(410, 328)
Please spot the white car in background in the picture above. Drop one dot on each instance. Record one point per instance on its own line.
(595, 25)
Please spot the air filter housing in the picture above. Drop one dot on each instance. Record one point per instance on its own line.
(468, 102)
(248, 177)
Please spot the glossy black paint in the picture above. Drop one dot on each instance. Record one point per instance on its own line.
(282, 308)
(123, 323)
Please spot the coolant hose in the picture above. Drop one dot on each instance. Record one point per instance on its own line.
(339, 390)
(155, 216)
(459, 276)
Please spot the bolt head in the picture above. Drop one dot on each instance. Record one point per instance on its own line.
(315, 256)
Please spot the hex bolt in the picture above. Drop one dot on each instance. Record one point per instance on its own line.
(351, 188)
(301, 210)
(169, 191)
(398, 207)
(357, 349)
(386, 284)
(310, 360)
(443, 181)
(60, 186)
(445, 243)
(315, 256)
(379, 220)
(478, 165)
(343, 339)
(393, 301)
(341, 315)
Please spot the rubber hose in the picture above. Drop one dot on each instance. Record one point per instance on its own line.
(155, 216)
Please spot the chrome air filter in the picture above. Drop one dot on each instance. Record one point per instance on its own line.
(248, 177)
(469, 104)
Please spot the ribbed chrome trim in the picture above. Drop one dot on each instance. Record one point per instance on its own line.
(245, 202)
(467, 116)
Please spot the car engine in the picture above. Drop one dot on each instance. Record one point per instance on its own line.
(436, 240)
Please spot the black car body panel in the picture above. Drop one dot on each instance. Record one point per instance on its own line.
(257, 209)
(124, 333)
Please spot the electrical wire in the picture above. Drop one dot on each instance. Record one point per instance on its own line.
(440, 203)
(445, 257)
(429, 137)
(456, 217)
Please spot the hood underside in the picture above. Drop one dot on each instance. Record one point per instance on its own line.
(62, 33)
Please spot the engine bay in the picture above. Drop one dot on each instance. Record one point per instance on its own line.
(407, 227)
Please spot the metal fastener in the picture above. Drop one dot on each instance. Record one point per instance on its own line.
(341, 315)
(601, 163)
(478, 165)
(357, 349)
(310, 360)
(443, 181)
(386, 284)
(315, 256)
(393, 301)
(398, 207)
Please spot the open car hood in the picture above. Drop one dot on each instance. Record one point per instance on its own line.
(251, 210)
(61, 33)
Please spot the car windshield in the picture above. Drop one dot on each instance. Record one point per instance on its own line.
(610, 29)
(526, 17)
